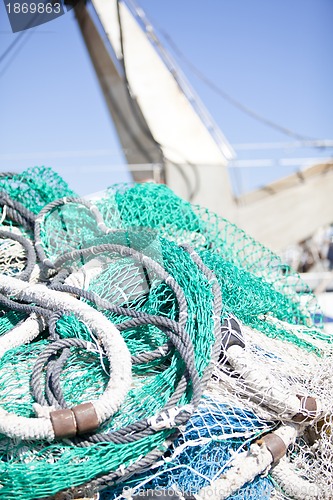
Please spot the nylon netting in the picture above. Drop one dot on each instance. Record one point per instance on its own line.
(215, 432)
(35, 187)
(192, 345)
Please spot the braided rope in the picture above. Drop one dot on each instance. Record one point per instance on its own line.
(168, 417)
(114, 345)
(56, 204)
(140, 427)
(294, 486)
(29, 249)
(247, 465)
(17, 212)
(23, 333)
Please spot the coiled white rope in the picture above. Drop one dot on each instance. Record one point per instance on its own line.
(115, 348)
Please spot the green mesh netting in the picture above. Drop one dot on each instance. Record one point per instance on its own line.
(23, 473)
(254, 280)
(35, 187)
(256, 288)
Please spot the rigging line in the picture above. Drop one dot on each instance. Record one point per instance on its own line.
(141, 124)
(237, 104)
(118, 110)
(235, 174)
(23, 32)
(191, 191)
(16, 52)
(12, 46)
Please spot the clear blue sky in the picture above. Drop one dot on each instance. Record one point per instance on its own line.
(274, 56)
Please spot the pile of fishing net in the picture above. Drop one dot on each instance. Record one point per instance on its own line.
(151, 348)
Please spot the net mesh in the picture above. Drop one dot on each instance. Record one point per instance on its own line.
(35, 187)
(215, 432)
(152, 385)
(12, 256)
(279, 353)
(156, 206)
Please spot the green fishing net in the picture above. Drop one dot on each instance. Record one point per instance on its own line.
(124, 281)
(254, 281)
(83, 242)
(35, 187)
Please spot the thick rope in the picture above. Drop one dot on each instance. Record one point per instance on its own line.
(17, 212)
(246, 466)
(293, 485)
(23, 333)
(56, 204)
(108, 479)
(29, 250)
(113, 343)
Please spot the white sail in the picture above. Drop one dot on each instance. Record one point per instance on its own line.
(184, 138)
(165, 120)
